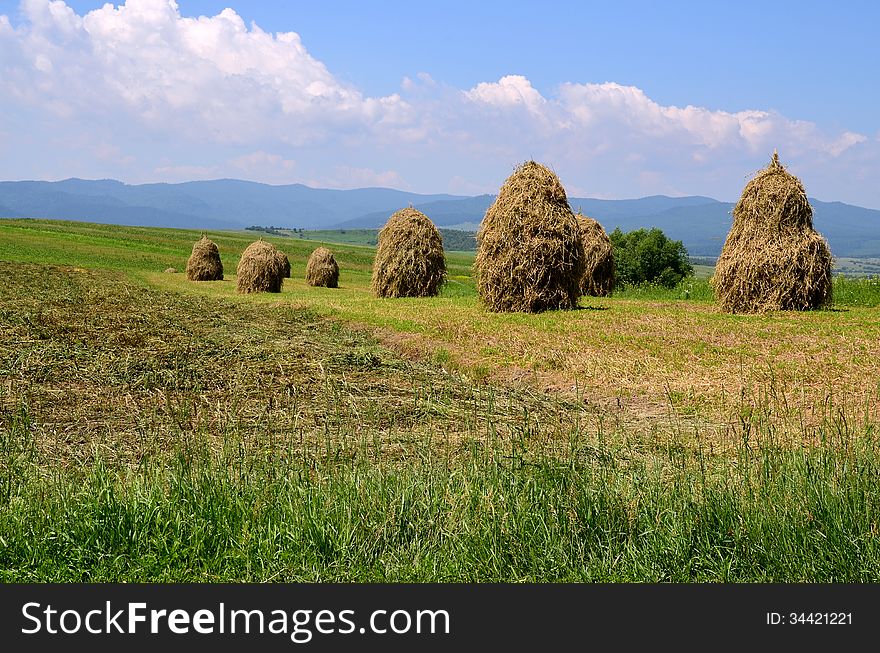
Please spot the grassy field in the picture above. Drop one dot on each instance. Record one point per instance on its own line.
(155, 429)
(453, 239)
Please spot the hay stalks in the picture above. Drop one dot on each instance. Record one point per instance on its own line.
(530, 256)
(773, 258)
(260, 269)
(598, 278)
(409, 257)
(285, 264)
(204, 263)
(322, 269)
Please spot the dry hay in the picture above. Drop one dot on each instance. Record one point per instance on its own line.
(530, 256)
(322, 270)
(409, 257)
(204, 262)
(773, 259)
(285, 264)
(170, 270)
(260, 269)
(598, 278)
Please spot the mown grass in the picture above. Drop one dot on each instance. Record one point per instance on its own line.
(154, 429)
(637, 347)
(156, 436)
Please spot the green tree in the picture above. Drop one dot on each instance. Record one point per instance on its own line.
(648, 256)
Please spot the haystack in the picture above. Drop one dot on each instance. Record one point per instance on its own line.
(773, 259)
(530, 256)
(204, 262)
(322, 270)
(285, 264)
(260, 269)
(598, 278)
(170, 270)
(409, 257)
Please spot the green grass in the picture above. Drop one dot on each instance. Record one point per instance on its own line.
(149, 436)
(847, 291)
(862, 291)
(454, 240)
(688, 289)
(157, 430)
(495, 515)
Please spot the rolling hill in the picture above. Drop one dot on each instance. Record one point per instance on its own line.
(700, 222)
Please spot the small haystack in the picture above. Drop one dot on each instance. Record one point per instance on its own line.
(170, 270)
(260, 269)
(530, 256)
(409, 257)
(322, 269)
(204, 262)
(773, 259)
(285, 264)
(598, 278)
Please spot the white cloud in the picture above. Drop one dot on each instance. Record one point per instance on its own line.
(846, 140)
(208, 78)
(345, 177)
(509, 91)
(172, 97)
(186, 172)
(264, 166)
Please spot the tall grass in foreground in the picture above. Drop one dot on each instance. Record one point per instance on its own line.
(501, 512)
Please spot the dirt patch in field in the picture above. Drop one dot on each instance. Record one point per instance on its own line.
(682, 360)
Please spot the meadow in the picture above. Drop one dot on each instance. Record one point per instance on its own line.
(154, 429)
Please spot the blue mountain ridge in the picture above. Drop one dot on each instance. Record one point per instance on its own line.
(700, 222)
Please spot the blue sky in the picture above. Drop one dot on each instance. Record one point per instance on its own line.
(621, 99)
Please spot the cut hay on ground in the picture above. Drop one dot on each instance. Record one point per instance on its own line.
(204, 263)
(530, 256)
(322, 269)
(773, 259)
(409, 257)
(598, 278)
(260, 269)
(285, 264)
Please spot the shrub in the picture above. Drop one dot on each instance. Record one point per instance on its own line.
(648, 256)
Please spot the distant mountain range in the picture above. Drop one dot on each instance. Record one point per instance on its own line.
(700, 222)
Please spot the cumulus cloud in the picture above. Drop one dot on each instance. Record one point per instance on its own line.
(210, 78)
(509, 91)
(166, 96)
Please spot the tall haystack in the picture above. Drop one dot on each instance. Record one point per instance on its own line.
(530, 256)
(260, 269)
(285, 264)
(204, 263)
(322, 269)
(598, 278)
(773, 259)
(409, 257)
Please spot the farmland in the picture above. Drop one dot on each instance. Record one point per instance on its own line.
(155, 429)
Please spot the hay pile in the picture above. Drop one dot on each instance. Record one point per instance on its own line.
(204, 262)
(773, 259)
(260, 269)
(322, 270)
(598, 278)
(409, 257)
(285, 264)
(530, 256)
(170, 270)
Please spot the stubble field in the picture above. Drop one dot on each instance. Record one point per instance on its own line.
(156, 429)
